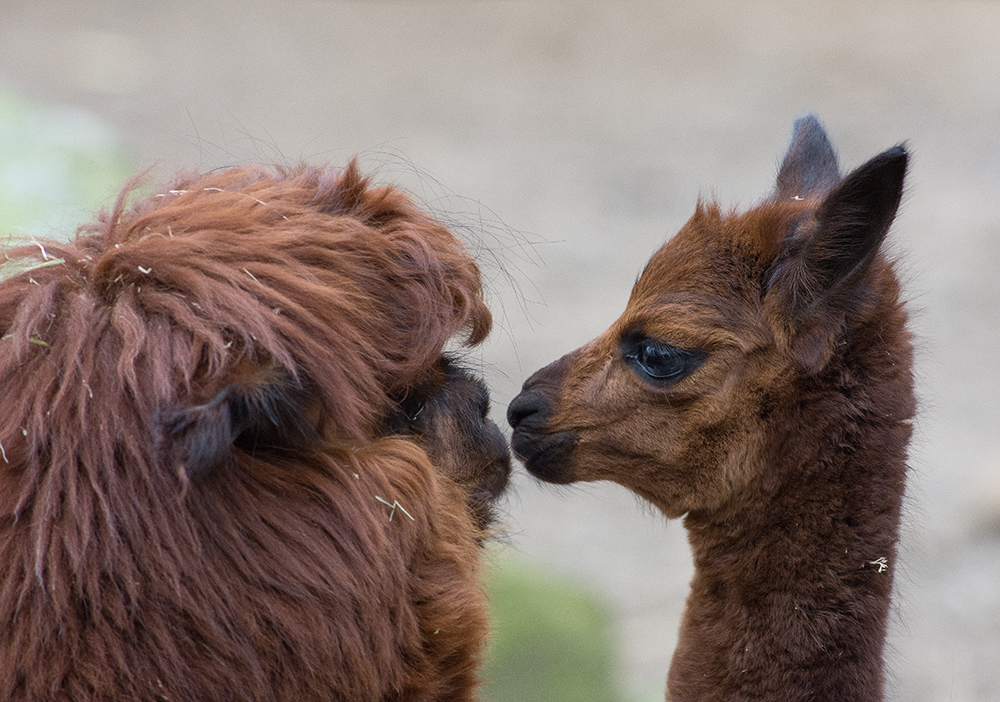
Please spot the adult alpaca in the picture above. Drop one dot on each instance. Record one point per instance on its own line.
(235, 464)
(760, 383)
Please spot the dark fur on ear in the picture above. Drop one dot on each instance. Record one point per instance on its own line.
(811, 283)
(267, 410)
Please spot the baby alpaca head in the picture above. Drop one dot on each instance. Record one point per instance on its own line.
(691, 393)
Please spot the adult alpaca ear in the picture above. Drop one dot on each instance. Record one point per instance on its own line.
(259, 412)
(821, 274)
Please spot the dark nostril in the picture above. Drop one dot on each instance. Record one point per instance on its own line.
(525, 406)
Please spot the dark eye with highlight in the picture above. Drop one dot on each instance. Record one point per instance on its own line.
(658, 362)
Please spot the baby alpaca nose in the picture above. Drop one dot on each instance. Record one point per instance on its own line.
(528, 407)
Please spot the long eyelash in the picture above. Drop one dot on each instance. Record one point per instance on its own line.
(420, 410)
(638, 348)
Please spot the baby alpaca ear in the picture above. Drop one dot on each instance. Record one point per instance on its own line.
(810, 166)
(822, 270)
(264, 410)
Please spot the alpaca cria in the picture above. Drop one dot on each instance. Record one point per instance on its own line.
(235, 463)
(759, 383)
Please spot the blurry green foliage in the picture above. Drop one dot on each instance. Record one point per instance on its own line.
(58, 165)
(551, 639)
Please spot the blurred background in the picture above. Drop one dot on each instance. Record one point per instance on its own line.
(566, 141)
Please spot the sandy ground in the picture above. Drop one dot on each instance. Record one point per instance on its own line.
(573, 137)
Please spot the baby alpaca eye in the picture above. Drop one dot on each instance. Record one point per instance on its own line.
(659, 362)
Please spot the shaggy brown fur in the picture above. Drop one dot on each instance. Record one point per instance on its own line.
(760, 383)
(235, 465)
